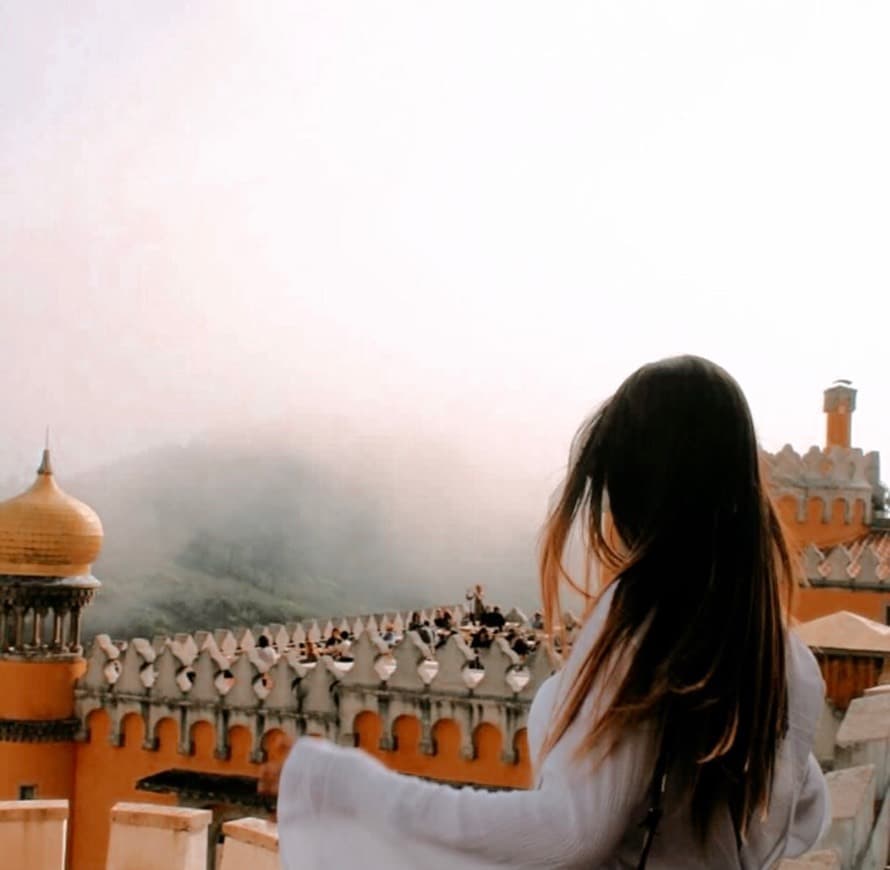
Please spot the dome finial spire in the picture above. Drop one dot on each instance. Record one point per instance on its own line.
(46, 466)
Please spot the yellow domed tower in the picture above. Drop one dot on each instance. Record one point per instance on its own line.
(48, 541)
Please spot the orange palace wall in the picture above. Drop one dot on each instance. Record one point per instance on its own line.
(37, 692)
(38, 689)
(815, 601)
(813, 528)
(107, 773)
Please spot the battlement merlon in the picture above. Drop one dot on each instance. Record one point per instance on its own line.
(827, 475)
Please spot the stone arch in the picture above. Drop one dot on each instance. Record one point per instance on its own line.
(240, 742)
(132, 730)
(815, 510)
(859, 512)
(275, 745)
(407, 732)
(521, 748)
(487, 743)
(166, 733)
(202, 738)
(368, 729)
(447, 739)
(840, 511)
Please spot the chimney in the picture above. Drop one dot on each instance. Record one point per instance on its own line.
(840, 402)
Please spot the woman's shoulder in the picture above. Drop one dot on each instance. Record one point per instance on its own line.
(806, 688)
(802, 664)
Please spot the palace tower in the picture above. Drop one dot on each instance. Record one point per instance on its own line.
(48, 541)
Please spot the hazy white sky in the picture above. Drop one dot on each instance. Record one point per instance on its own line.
(470, 217)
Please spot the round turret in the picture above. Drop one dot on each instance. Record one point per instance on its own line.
(48, 543)
(46, 533)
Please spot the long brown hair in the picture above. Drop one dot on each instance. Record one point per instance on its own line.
(703, 579)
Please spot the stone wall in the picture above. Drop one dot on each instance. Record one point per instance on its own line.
(224, 679)
(827, 496)
(859, 786)
(826, 474)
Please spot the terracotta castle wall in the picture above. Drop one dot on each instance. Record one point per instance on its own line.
(215, 703)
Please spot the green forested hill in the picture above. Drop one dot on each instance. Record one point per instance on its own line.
(224, 534)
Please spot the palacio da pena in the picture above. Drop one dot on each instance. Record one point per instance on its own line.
(152, 747)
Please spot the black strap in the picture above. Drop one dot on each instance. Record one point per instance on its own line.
(656, 803)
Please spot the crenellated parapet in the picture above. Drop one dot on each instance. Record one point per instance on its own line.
(827, 476)
(229, 678)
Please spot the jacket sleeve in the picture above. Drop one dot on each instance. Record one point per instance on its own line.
(575, 818)
(812, 813)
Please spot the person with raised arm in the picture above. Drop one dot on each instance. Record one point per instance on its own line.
(678, 733)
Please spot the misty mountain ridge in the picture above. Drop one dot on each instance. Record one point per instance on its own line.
(250, 529)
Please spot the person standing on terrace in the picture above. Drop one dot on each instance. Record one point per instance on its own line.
(678, 732)
(476, 596)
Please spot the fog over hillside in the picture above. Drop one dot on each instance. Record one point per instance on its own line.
(272, 525)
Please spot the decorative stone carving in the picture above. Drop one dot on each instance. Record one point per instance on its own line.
(861, 565)
(38, 731)
(220, 677)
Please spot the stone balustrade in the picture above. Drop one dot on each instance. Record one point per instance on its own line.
(859, 786)
(863, 737)
(250, 843)
(33, 834)
(225, 678)
(153, 837)
(852, 793)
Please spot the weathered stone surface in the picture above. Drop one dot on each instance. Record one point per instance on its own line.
(863, 737)
(852, 793)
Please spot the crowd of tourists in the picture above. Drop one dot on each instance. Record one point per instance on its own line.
(479, 624)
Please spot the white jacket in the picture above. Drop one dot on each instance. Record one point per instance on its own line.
(333, 798)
